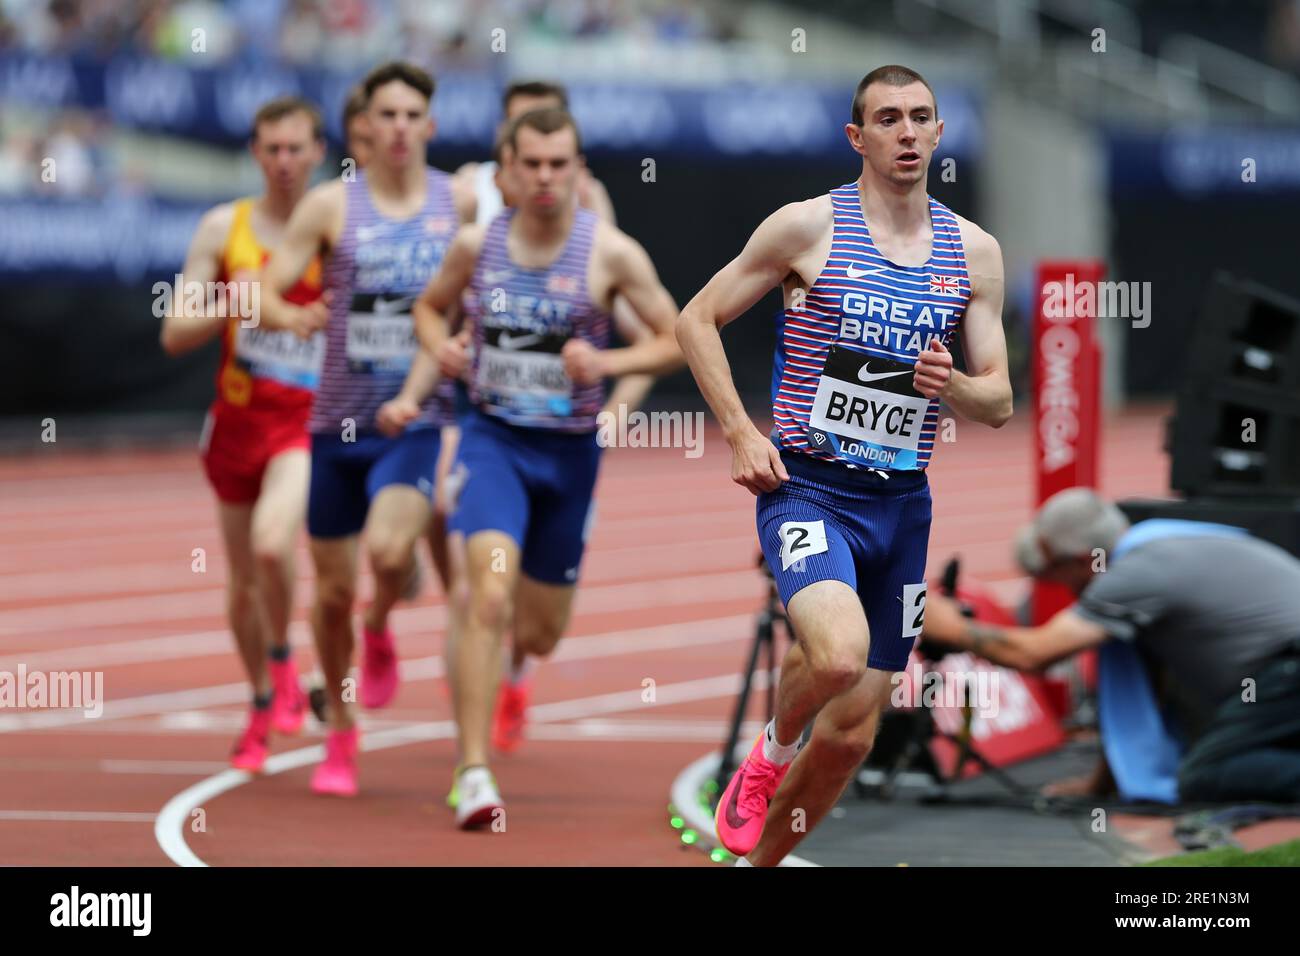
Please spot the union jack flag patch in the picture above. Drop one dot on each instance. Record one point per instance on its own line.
(562, 285)
(945, 285)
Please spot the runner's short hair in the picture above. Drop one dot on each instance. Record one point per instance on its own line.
(892, 75)
(534, 88)
(283, 106)
(546, 120)
(408, 73)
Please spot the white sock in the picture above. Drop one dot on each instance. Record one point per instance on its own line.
(474, 776)
(777, 753)
(741, 861)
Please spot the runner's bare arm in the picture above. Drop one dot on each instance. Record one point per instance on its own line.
(629, 390)
(635, 279)
(765, 261)
(983, 393)
(312, 230)
(180, 332)
(438, 299)
(403, 408)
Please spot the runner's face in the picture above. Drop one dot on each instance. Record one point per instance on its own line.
(899, 131)
(519, 104)
(360, 146)
(287, 152)
(400, 125)
(543, 169)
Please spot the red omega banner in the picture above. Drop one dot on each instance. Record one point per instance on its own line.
(1066, 362)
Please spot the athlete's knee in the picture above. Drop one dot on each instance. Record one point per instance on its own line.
(490, 602)
(838, 668)
(538, 637)
(390, 554)
(272, 548)
(334, 596)
(241, 593)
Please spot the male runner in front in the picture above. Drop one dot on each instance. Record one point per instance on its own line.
(381, 234)
(255, 445)
(541, 279)
(489, 184)
(877, 277)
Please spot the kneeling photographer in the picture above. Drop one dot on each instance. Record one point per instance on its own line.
(1202, 627)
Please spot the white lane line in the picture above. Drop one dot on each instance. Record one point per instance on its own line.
(75, 816)
(169, 827)
(719, 630)
(685, 796)
(594, 598)
(655, 731)
(182, 767)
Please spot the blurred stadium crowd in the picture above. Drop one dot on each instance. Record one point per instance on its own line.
(337, 33)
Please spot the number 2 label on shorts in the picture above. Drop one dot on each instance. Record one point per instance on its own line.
(801, 539)
(913, 609)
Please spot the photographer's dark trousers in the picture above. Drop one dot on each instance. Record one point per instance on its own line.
(1251, 750)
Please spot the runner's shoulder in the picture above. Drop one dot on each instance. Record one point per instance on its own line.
(329, 195)
(982, 251)
(616, 247)
(469, 238)
(214, 225)
(799, 226)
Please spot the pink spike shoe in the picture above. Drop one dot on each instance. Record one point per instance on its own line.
(337, 775)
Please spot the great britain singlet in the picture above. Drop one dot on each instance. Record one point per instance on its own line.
(521, 319)
(378, 268)
(846, 354)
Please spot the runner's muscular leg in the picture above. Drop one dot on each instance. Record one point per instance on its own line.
(542, 614)
(831, 655)
(277, 518)
(493, 570)
(236, 522)
(331, 619)
(397, 518)
(841, 739)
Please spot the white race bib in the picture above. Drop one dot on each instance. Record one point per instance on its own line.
(380, 343)
(869, 399)
(280, 355)
(510, 372)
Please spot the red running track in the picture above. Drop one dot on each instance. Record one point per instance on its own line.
(97, 574)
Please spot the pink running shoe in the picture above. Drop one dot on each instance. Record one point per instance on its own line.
(509, 716)
(337, 775)
(251, 748)
(378, 670)
(743, 808)
(289, 705)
